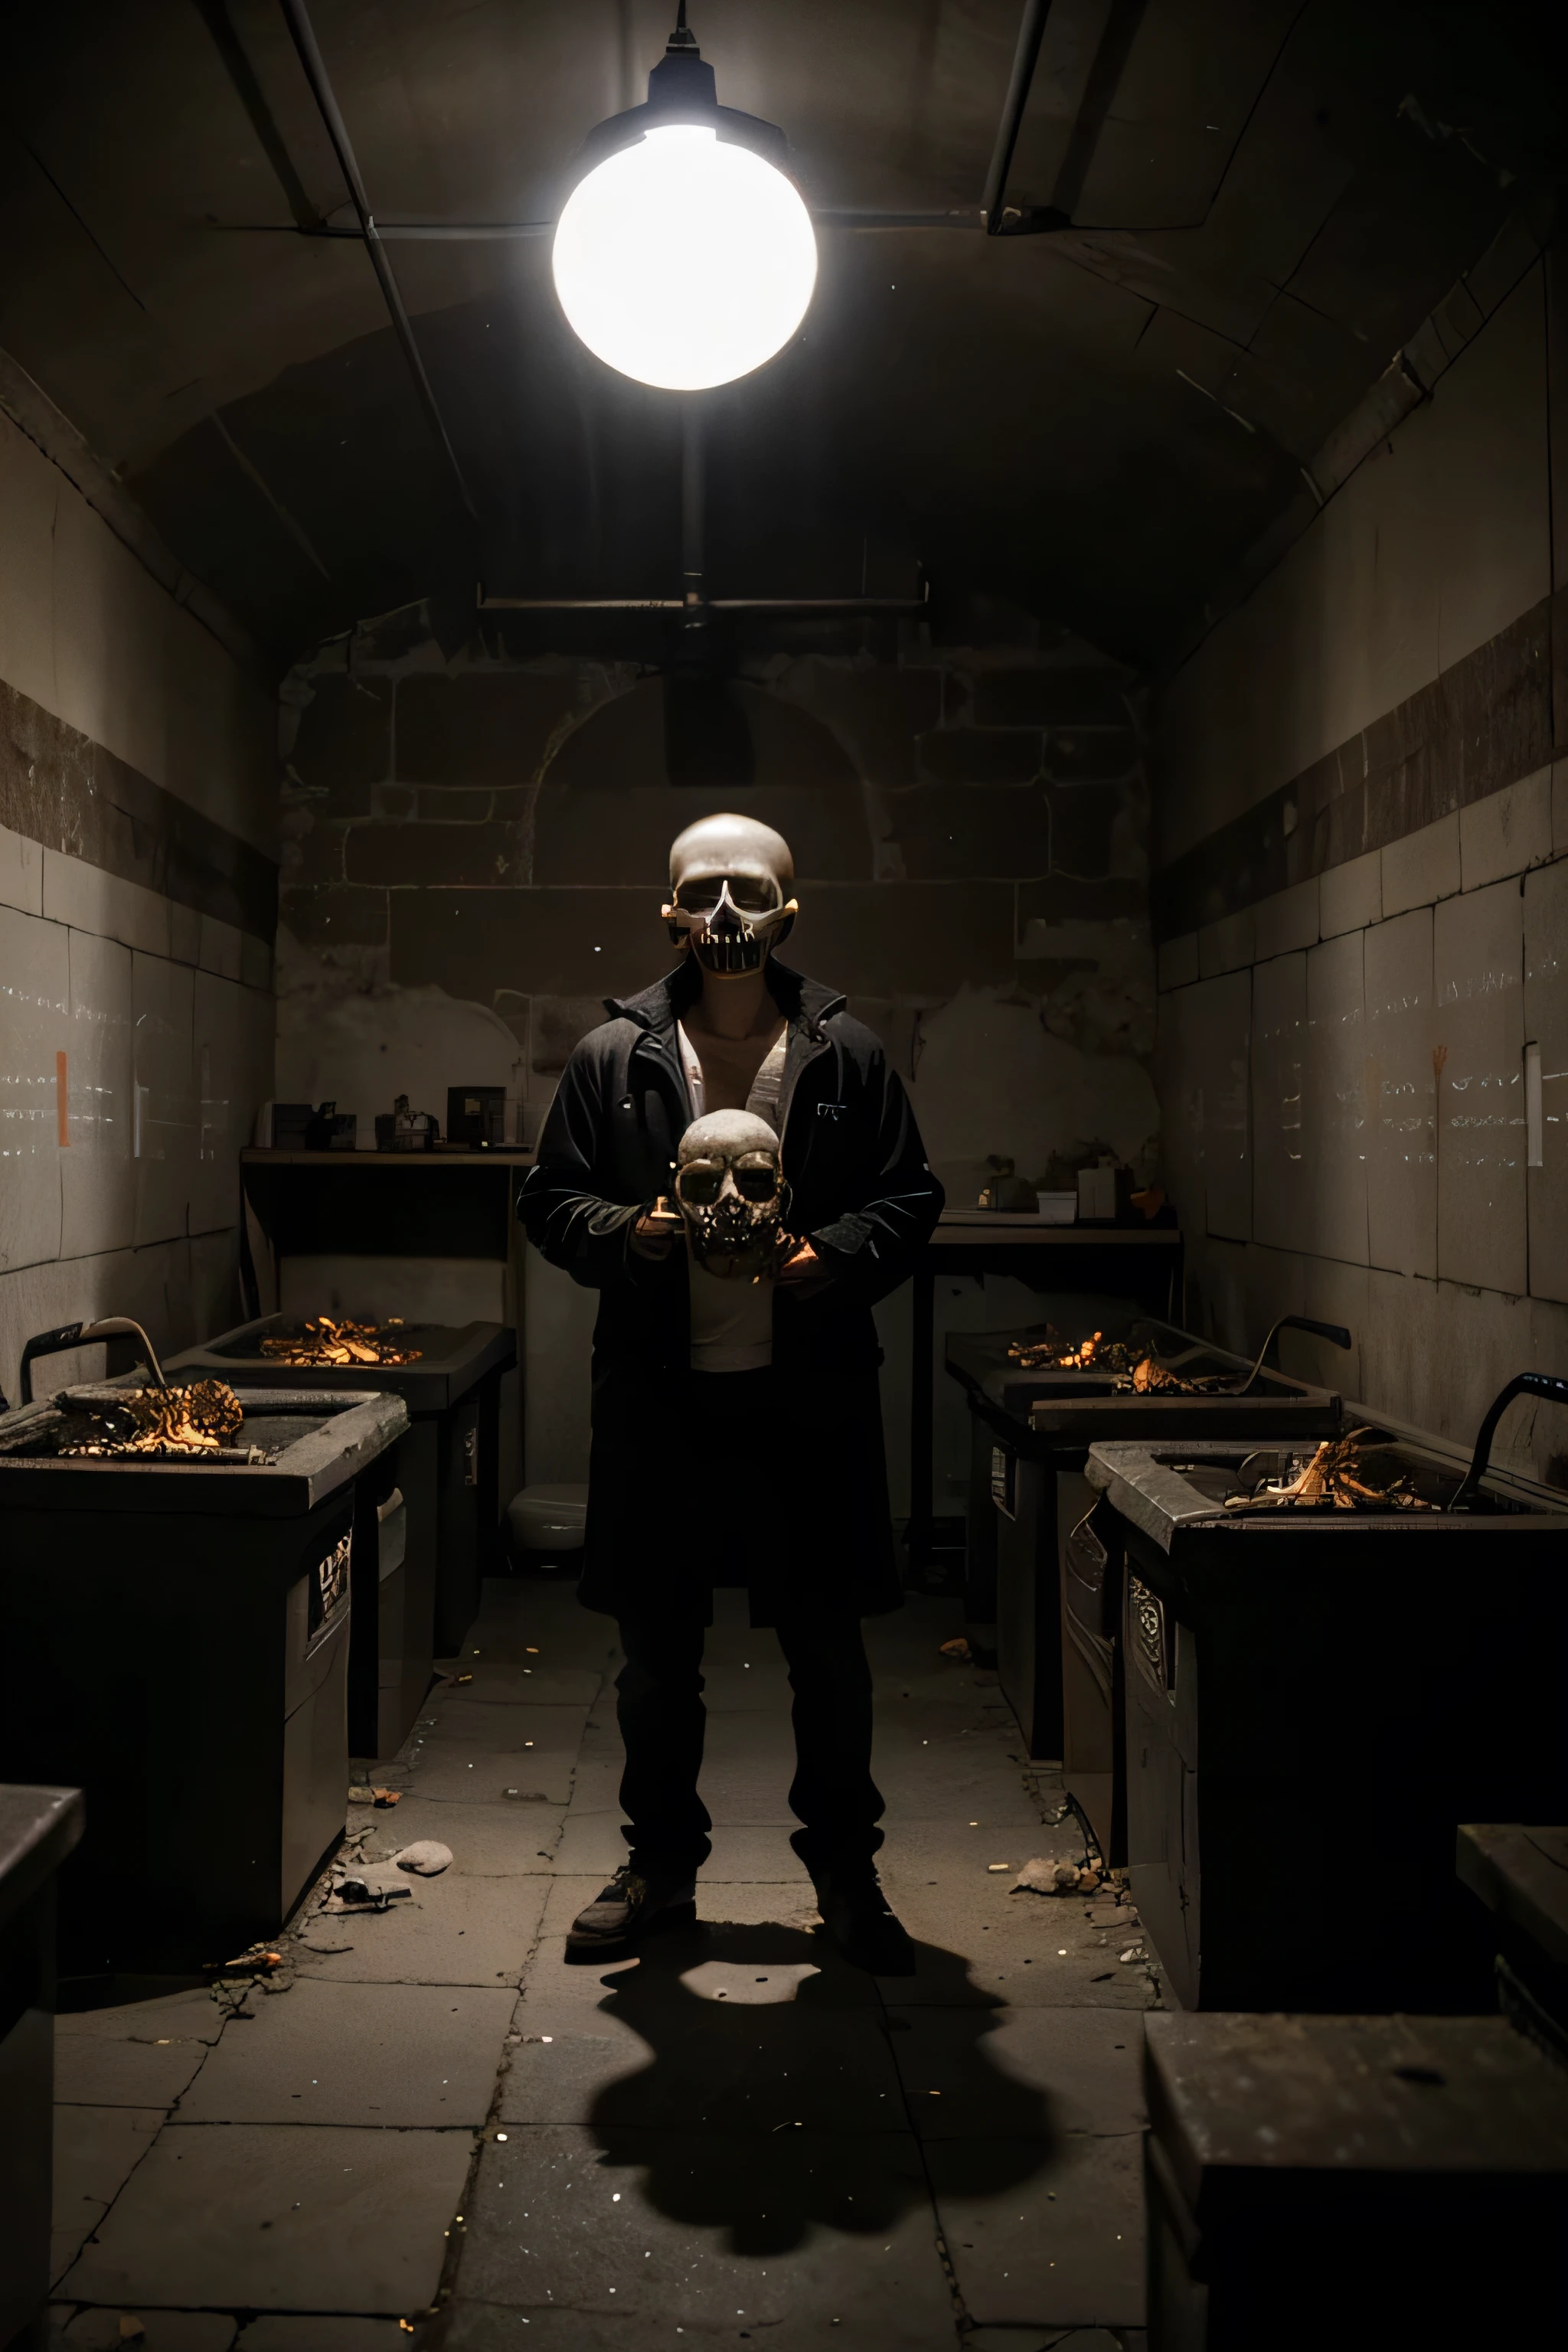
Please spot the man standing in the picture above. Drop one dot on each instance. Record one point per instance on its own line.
(737, 1435)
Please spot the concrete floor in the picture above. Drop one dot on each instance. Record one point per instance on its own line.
(433, 2123)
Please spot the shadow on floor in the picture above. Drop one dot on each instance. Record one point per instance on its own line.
(763, 2116)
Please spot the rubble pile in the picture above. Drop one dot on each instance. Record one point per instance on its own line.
(1053, 1353)
(324, 1343)
(197, 1420)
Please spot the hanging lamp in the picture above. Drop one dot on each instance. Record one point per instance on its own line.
(684, 255)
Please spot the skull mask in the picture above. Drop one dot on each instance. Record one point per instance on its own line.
(729, 1189)
(729, 894)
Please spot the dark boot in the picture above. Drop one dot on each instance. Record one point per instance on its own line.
(626, 1909)
(857, 1919)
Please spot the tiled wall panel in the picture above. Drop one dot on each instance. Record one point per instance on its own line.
(136, 759)
(231, 1047)
(164, 1138)
(1180, 1084)
(1223, 1011)
(1546, 1024)
(1280, 1190)
(1335, 1116)
(1478, 951)
(1401, 1092)
(1389, 687)
(179, 1291)
(34, 990)
(98, 1173)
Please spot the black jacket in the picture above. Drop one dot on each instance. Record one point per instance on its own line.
(860, 1188)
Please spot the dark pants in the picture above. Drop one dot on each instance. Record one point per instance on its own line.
(661, 1714)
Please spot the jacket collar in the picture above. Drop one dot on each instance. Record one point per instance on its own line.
(658, 1008)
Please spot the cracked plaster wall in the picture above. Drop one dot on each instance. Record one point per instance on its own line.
(475, 853)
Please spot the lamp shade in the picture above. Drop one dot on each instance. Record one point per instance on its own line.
(685, 260)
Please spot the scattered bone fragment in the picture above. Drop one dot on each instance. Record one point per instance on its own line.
(426, 1857)
(1043, 1877)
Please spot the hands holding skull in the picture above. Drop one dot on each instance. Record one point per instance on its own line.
(729, 1199)
(658, 1229)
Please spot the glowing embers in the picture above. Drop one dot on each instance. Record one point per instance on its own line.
(1339, 1477)
(1149, 1379)
(324, 1343)
(1053, 1353)
(197, 1420)
(1134, 1368)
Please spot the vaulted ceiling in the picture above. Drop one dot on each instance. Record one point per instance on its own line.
(1266, 198)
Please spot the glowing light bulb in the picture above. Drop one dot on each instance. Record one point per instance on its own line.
(684, 261)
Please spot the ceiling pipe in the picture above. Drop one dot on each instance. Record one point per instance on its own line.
(693, 503)
(850, 216)
(849, 605)
(1031, 32)
(297, 19)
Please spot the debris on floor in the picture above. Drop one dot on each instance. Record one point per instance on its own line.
(400, 2045)
(1042, 1876)
(367, 1886)
(426, 1857)
(257, 1960)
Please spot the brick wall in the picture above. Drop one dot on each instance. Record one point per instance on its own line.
(490, 839)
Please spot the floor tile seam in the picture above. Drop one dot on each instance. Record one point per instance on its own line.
(301, 2123)
(530, 1958)
(1056, 2334)
(962, 2322)
(242, 2313)
(451, 2260)
(125, 2106)
(517, 2129)
(153, 2138)
(418, 1984)
(1051, 2139)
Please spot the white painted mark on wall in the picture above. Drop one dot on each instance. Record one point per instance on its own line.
(1534, 1125)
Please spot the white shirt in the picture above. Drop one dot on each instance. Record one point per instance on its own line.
(732, 1321)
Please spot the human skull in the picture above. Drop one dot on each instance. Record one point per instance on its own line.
(729, 885)
(729, 1189)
